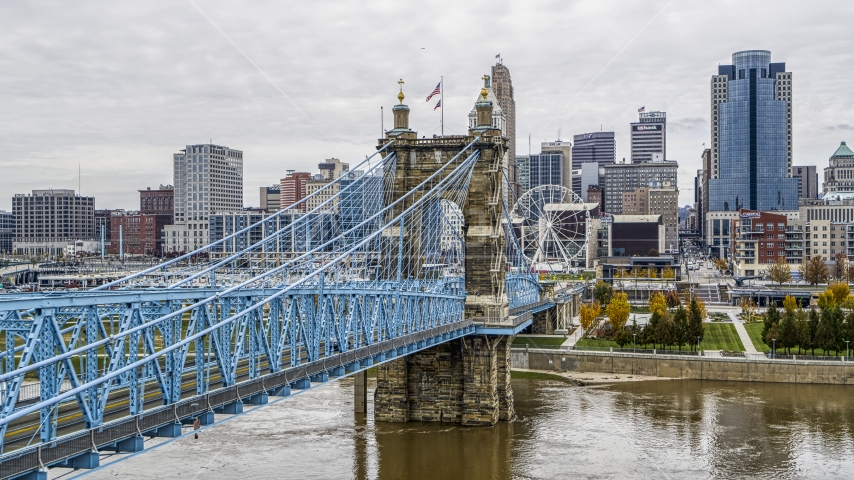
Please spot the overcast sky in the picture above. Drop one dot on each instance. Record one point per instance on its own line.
(118, 87)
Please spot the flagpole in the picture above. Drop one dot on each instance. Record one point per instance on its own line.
(442, 99)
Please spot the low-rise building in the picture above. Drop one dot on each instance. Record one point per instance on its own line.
(635, 235)
(135, 233)
(758, 240)
(270, 198)
(839, 173)
(7, 232)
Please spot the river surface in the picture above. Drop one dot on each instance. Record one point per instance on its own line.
(652, 429)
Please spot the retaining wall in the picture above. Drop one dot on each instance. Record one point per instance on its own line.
(676, 366)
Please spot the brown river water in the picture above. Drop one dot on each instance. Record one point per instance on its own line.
(653, 429)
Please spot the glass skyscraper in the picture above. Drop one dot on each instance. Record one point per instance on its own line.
(545, 169)
(752, 135)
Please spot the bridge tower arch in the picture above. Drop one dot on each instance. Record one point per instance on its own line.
(419, 158)
(464, 381)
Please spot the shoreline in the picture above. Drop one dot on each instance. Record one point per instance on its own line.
(589, 378)
(596, 366)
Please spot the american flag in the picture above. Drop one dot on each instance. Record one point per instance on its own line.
(438, 104)
(435, 91)
(642, 109)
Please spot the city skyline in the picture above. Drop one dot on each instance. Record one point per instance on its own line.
(128, 97)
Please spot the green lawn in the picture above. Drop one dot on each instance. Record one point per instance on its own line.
(721, 336)
(590, 342)
(539, 342)
(754, 330)
(718, 336)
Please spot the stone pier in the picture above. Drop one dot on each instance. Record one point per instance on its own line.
(360, 392)
(464, 381)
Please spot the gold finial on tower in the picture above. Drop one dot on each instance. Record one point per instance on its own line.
(400, 95)
(483, 91)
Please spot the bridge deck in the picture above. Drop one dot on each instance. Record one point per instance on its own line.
(32, 458)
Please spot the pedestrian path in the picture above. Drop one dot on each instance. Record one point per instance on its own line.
(572, 339)
(742, 333)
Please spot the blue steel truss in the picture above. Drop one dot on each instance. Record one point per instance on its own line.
(358, 269)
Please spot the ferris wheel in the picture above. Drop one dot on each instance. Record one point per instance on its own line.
(551, 224)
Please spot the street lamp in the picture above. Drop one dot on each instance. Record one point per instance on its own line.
(698, 346)
(773, 347)
(634, 348)
(846, 350)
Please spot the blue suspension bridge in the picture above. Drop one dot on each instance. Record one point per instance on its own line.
(407, 251)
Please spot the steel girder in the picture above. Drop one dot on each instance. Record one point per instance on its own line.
(522, 289)
(93, 345)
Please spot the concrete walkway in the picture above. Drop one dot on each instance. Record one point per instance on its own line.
(742, 333)
(572, 339)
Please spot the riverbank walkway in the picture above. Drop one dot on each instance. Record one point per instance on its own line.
(742, 333)
(573, 338)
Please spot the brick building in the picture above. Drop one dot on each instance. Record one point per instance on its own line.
(134, 233)
(158, 202)
(758, 239)
(292, 188)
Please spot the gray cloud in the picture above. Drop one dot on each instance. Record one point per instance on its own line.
(119, 87)
(841, 126)
(681, 124)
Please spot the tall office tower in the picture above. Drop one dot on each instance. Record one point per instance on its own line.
(48, 220)
(599, 147)
(839, 173)
(270, 198)
(502, 85)
(807, 180)
(752, 135)
(523, 170)
(649, 136)
(499, 121)
(208, 179)
(701, 191)
(565, 149)
(546, 169)
(625, 177)
(292, 188)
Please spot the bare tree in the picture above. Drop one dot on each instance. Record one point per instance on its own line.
(780, 272)
(814, 270)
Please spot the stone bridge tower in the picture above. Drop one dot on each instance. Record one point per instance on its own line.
(465, 381)
(420, 158)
